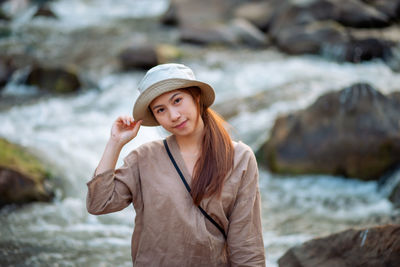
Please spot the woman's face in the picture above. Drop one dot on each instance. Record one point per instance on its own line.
(177, 112)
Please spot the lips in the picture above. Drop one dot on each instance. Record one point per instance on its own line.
(181, 125)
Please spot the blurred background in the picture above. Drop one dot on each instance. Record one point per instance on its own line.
(313, 86)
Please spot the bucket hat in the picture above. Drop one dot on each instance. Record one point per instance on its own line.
(165, 78)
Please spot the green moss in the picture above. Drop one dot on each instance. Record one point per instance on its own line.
(16, 158)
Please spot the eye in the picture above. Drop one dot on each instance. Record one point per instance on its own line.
(178, 100)
(160, 110)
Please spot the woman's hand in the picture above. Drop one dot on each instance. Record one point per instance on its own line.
(124, 129)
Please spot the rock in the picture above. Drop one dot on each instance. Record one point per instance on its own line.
(352, 13)
(7, 68)
(54, 79)
(358, 50)
(198, 13)
(367, 49)
(171, 16)
(258, 13)
(331, 28)
(45, 11)
(248, 34)
(389, 185)
(370, 247)
(311, 38)
(3, 16)
(354, 132)
(395, 96)
(390, 8)
(139, 57)
(208, 22)
(208, 35)
(22, 177)
(168, 53)
(146, 56)
(395, 196)
(237, 32)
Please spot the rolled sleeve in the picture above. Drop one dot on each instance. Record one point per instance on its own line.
(113, 190)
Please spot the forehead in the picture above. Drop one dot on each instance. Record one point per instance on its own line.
(164, 98)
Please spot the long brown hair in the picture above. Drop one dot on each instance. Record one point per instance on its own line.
(216, 157)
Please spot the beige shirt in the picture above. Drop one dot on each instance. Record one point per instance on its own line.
(169, 229)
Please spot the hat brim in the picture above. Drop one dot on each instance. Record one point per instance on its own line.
(141, 110)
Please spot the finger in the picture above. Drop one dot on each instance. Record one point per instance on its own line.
(136, 126)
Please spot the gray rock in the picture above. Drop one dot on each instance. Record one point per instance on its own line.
(370, 247)
(354, 132)
(139, 57)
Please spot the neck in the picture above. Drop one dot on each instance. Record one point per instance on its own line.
(191, 143)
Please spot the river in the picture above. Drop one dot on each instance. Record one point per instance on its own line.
(69, 133)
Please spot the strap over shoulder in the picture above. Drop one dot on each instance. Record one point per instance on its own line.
(188, 189)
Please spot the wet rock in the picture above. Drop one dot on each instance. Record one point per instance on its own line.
(206, 35)
(329, 27)
(351, 13)
(311, 38)
(3, 16)
(139, 57)
(147, 56)
(354, 132)
(389, 8)
(367, 49)
(209, 23)
(7, 67)
(23, 178)
(389, 186)
(235, 33)
(199, 13)
(376, 246)
(395, 196)
(395, 96)
(171, 16)
(54, 79)
(248, 34)
(45, 11)
(258, 13)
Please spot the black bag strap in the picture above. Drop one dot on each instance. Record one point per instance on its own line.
(188, 189)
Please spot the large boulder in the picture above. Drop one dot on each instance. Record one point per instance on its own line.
(371, 247)
(54, 79)
(146, 56)
(354, 132)
(23, 178)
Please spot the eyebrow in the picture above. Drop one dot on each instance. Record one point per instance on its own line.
(172, 97)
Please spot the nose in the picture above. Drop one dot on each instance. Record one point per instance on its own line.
(174, 114)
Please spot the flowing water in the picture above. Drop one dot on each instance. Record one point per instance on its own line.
(69, 133)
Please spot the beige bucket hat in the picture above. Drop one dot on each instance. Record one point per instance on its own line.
(164, 78)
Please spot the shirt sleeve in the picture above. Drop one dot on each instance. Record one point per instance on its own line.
(245, 241)
(113, 190)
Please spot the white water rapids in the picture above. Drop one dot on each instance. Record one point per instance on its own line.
(69, 133)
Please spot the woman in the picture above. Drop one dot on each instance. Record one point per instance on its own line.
(212, 220)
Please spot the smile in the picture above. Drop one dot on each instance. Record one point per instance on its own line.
(179, 126)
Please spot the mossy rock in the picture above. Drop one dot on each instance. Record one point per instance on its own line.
(22, 176)
(55, 80)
